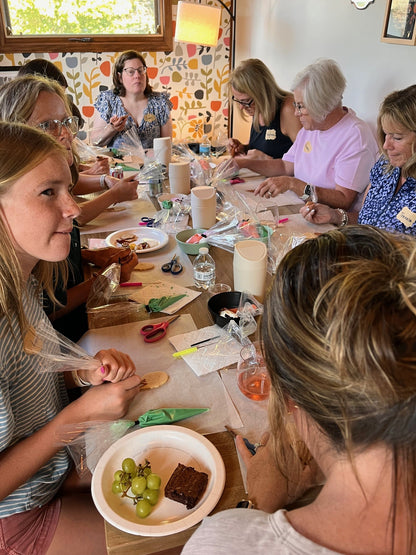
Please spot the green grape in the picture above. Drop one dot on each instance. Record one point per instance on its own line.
(143, 508)
(128, 465)
(153, 481)
(151, 495)
(116, 487)
(138, 485)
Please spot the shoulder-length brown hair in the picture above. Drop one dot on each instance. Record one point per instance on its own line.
(118, 86)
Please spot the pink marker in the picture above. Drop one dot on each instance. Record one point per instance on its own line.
(283, 220)
(131, 284)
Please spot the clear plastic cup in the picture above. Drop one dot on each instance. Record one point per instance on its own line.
(219, 288)
(253, 378)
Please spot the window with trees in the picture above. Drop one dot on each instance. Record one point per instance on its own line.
(85, 25)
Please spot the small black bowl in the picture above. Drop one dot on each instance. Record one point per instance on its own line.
(229, 299)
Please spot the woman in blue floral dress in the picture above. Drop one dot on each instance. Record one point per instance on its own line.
(131, 105)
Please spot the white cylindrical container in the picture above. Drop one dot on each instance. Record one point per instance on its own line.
(250, 267)
(180, 177)
(162, 150)
(204, 207)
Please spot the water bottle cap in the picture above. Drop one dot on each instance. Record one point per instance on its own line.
(203, 250)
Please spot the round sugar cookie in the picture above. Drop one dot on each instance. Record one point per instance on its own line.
(142, 266)
(154, 380)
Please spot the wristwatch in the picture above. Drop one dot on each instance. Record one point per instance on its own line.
(245, 504)
(307, 191)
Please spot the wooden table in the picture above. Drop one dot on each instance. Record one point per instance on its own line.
(119, 542)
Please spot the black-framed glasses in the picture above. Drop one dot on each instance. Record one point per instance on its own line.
(244, 103)
(130, 71)
(54, 126)
(299, 107)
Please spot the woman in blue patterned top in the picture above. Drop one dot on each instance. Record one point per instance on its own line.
(390, 201)
(131, 104)
(36, 219)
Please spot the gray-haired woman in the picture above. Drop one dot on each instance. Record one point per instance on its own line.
(333, 152)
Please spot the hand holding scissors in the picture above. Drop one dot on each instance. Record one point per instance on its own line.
(154, 332)
(173, 266)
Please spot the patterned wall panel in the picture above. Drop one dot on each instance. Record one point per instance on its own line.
(196, 77)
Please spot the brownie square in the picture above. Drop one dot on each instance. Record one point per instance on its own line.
(186, 485)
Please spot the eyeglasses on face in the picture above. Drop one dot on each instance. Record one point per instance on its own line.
(299, 107)
(132, 70)
(244, 103)
(54, 126)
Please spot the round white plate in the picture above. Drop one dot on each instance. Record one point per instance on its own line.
(164, 447)
(155, 237)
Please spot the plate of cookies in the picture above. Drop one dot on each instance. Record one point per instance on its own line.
(192, 479)
(139, 239)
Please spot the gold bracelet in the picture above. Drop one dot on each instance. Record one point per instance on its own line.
(79, 382)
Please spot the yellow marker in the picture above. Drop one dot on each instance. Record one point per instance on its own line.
(180, 354)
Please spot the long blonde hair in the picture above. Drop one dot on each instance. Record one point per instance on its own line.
(18, 99)
(253, 78)
(339, 334)
(22, 148)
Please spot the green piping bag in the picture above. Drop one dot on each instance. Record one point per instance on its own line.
(156, 305)
(155, 417)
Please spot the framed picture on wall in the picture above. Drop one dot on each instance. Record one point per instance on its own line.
(7, 73)
(399, 22)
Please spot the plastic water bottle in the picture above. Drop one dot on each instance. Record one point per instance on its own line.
(205, 147)
(204, 269)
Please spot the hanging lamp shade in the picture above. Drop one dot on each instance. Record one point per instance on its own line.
(197, 24)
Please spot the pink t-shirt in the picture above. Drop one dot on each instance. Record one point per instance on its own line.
(342, 155)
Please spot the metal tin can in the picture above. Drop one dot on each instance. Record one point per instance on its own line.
(155, 187)
(117, 171)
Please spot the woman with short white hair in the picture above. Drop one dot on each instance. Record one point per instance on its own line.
(333, 153)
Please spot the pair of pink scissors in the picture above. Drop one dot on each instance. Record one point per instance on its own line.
(154, 332)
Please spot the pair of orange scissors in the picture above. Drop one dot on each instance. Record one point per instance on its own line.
(154, 332)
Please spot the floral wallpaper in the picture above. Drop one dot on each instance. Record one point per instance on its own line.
(196, 77)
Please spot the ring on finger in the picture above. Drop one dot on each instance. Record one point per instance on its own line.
(268, 194)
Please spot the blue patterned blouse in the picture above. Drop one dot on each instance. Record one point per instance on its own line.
(386, 209)
(155, 115)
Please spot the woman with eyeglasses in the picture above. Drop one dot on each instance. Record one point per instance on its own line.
(46, 68)
(42, 103)
(333, 153)
(131, 104)
(274, 126)
(44, 507)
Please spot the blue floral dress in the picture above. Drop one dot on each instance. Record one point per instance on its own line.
(386, 209)
(155, 115)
